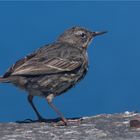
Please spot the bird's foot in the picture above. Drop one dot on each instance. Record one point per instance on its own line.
(54, 122)
(67, 122)
(40, 119)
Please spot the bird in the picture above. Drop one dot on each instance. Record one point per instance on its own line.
(54, 68)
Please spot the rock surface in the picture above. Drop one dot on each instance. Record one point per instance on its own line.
(100, 127)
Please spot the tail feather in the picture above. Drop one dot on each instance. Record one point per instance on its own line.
(4, 80)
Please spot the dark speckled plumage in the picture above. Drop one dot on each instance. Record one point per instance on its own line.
(54, 68)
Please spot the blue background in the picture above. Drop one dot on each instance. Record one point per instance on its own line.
(113, 82)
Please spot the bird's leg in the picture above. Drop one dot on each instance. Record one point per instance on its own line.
(30, 99)
(49, 100)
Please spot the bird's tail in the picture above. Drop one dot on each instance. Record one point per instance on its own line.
(4, 80)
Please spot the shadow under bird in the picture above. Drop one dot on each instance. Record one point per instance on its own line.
(53, 69)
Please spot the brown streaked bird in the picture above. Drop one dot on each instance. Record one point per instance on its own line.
(53, 69)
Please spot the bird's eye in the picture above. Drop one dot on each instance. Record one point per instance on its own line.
(83, 35)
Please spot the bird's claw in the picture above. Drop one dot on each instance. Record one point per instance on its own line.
(66, 122)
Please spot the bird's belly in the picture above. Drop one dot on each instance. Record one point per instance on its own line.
(55, 84)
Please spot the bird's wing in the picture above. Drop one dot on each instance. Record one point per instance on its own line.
(50, 66)
(18, 64)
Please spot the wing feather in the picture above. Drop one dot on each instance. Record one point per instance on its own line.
(54, 65)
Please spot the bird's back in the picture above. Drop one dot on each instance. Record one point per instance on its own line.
(51, 69)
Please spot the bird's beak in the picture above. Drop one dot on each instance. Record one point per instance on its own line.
(98, 33)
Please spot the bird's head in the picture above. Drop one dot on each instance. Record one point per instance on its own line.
(78, 36)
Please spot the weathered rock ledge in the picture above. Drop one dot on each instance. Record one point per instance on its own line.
(100, 127)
